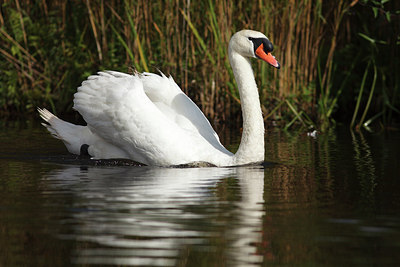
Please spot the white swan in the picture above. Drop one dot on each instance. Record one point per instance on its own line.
(147, 118)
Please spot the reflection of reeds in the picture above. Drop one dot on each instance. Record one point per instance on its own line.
(52, 48)
(366, 172)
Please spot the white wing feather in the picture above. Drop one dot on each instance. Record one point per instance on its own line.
(169, 98)
(149, 117)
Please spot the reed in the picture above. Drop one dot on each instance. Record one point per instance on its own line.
(47, 50)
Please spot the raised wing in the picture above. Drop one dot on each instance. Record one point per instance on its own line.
(145, 115)
(170, 99)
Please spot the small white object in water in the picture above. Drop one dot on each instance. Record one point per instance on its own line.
(313, 134)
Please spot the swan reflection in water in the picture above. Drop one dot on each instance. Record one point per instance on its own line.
(162, 216)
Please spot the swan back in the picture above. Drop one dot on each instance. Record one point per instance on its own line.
(149, 117)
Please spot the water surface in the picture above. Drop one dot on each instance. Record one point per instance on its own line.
(331, 200)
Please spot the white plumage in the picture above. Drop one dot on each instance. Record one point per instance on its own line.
(147, 118)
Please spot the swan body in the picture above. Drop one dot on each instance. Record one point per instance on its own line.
(147, 118)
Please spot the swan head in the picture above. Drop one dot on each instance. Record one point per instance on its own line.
(253, 44)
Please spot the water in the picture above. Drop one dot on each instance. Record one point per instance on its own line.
(333, 200)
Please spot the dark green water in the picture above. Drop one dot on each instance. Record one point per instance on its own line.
(333, 200)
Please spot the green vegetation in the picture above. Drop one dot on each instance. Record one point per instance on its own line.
(340, 59)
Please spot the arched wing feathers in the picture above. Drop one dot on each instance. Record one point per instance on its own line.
(167, 95)
(146, 114)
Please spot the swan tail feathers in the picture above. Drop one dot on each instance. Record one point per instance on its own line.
(69, 133)
(50, 121)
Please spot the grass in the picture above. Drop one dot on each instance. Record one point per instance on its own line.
(48, 49)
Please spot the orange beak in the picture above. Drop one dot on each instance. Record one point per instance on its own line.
(267, 57)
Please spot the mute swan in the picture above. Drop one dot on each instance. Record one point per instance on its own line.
(147, 118)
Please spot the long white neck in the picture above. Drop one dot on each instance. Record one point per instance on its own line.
(251, 148)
